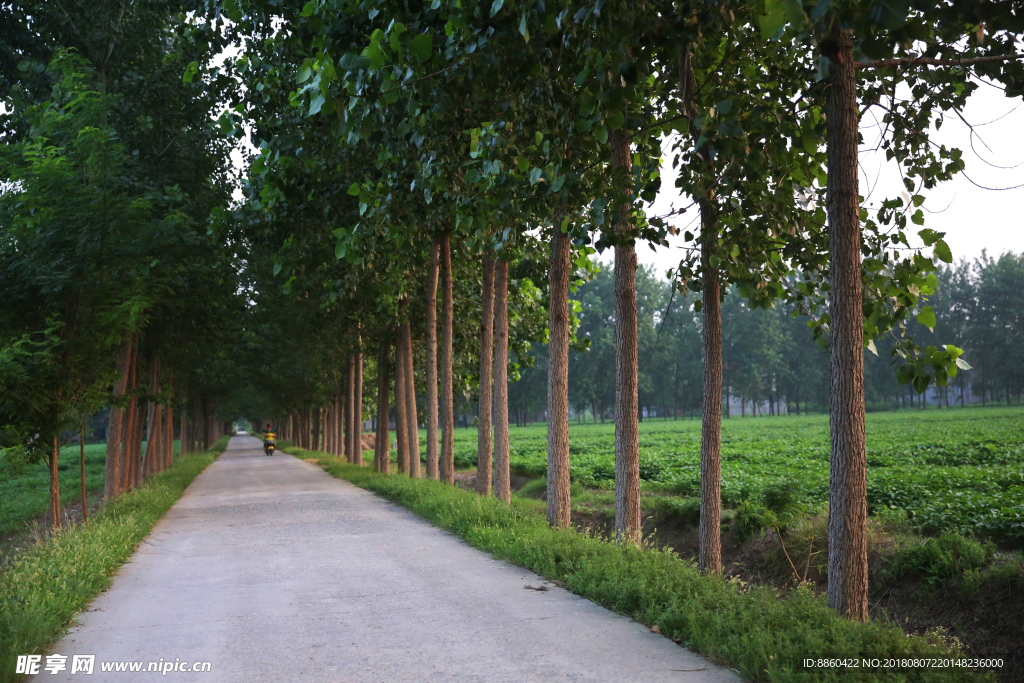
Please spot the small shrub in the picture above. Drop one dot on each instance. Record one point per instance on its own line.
(682, 510)
(534, 488)
(938, 560)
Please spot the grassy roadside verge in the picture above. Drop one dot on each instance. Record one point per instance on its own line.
(762, 632)
(43, 588)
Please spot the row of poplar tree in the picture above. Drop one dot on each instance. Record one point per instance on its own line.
(117, 300)
(411, 153)
(434, 178)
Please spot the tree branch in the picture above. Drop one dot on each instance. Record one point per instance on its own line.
(931, 61)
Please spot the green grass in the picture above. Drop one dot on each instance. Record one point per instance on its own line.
(946, 470)
(46, 584)
(760, 631)
(26, 492)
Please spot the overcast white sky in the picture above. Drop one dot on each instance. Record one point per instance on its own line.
(972, 218)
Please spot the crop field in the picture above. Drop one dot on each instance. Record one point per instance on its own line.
(24, 492)
(959, 469)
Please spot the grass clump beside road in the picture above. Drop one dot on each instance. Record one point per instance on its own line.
(44, 586)
(763, 632)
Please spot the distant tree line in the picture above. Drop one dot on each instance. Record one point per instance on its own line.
(771, 364)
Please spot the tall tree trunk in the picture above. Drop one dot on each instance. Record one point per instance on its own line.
(446, 370)
(128, 465)
(152, 460)
(351, 430)
(559, 503)
(627, 417)
(54, 511)
(432, 407)
(709, 556)
(401, 419)
(112, 474)
(502, 479)
(207, 426)
(358, 426)
(183, 448)
(410, 398)
(847, 538)
(483, 440)
(382, 452)
(136, 445)
(146, 461)
(168, 433)
(337, 435)
(81, 443)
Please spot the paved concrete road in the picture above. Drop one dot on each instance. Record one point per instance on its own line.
(273, 570)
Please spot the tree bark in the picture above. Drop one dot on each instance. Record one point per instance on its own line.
(483, 440)
(382, 450)
(129, 466)
(446, 369)
(54, 511)
(152, 420)
(401, 419)
(135, 440)
(153, 442)
(168, 432)
(81, 443)
(709, 555)
(432, 464)
(357, 428)
(559, 503)
(112, 474)
(502, 479)
(847, 538)
(410, 409)
(627, 434)
(351, 432)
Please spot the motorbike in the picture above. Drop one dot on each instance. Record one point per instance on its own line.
(268, 446)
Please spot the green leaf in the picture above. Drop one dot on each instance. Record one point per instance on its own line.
(962, 364)
(534, 175)
(354, 189)
(523, 163)
(308, 9)
(496, 6)
(277, 268)
(778, 13)
(350, 62)
(523, 31)
(232, 11)
(942, 251)
(316, 103)
(616, 120)
(190, 72)
(929, 236)
(927, 317)
(422, 46)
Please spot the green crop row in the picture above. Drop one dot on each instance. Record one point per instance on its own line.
(946, 470)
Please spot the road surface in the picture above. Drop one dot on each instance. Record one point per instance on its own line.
(271, 570)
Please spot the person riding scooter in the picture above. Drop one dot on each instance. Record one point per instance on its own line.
(268, 441)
